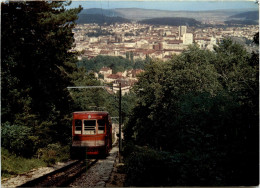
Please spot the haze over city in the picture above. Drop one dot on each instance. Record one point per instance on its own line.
(168, 5)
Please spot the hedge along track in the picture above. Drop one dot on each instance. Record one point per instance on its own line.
(63, 176)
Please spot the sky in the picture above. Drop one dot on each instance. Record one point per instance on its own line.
(191, 5)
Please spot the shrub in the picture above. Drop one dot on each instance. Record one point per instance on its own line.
(17, 139)
(148, 167)
(53, 153)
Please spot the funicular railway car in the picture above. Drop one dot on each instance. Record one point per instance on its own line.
(91, 133)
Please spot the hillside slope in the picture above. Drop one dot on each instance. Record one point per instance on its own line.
(251, 15)
(100, 19)
(171, 21)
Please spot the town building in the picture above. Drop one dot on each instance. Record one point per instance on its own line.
(144, 40)
(187, 38)
(182, 30)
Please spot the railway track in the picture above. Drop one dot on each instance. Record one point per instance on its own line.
(63, 176)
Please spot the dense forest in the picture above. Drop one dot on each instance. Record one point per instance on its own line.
(173, 21)
(195, 122)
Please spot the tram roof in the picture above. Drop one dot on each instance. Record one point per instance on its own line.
(91, 112)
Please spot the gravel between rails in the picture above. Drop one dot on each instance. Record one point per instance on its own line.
(99, 173)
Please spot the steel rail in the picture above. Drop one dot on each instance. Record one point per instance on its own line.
(61, 177)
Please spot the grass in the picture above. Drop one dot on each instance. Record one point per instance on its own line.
(12, 165)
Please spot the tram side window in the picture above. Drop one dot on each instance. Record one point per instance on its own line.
(89, 127)
(78, 126)
(101, 126)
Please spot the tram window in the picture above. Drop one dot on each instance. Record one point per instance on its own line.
(89, 127)
(78, 126)
(101, 126)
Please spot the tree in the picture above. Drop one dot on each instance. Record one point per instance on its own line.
(131, 56)
(232, 65)
(36, 65)
(160, 88)
(202, 107)
(256, 38)
(127, 55)
(117, 64)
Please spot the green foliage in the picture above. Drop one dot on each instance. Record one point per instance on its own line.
(117, 63)
(233, 66)
(85, 99)
(17, 139)
(256, 38)
(36, 68)
(159, 90)
(140, 64)
(254, 60)
(146, 167)
(98, 32)
(201, 107)
(53, 153)
(127, 104)
(13, 165)
(209, 133)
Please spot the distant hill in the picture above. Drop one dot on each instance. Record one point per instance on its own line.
(100, 19)
(244, 18)
(251, 15)
(105, 12)
(138, 14)
(176, 21)
(241, 22)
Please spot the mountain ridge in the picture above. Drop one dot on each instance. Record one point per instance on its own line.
(249, 15)
(100, 19)
(138, 14)
(172, 21)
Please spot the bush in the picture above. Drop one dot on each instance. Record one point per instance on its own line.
(17, 139)
(53, 153)
(148, 167)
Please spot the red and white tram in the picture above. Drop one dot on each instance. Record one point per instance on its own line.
(91, 133)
